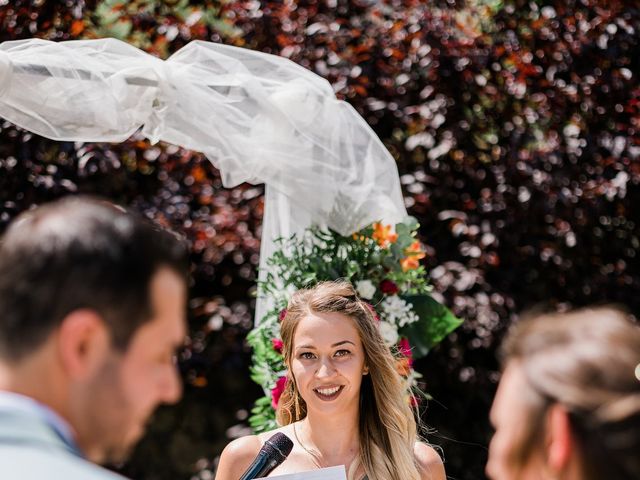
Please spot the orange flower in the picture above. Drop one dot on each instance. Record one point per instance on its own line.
(415, 249)
(77, 27)
(403, 366)
(414, 254)
(199, 382)
(383, 234)
(409, 263)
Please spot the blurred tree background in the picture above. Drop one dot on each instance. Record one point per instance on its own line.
(515, 126)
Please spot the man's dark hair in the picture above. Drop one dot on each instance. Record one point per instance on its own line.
(79, 253)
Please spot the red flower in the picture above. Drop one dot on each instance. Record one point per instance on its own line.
(276, 392)
(277, 344)
(282, 314)
(388, 287)
(404, 347)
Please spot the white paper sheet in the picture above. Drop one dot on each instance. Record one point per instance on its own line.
(331, 473)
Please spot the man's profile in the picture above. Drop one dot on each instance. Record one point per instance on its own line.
(92, 310)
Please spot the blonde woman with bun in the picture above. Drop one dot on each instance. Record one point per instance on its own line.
(568, 404)
(344, 403)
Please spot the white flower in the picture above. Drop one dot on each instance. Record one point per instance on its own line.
(398, 312)
(365, 289)
(389, 332)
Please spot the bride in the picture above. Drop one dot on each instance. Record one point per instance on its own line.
(344, 403)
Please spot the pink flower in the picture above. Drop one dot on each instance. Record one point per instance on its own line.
(277, 344)
(373, 311)
(282, 314)
(414, 401)
(276, 392)
(404, 347)
(388, 287)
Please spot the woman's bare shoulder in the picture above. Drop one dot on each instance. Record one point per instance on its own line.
(237, 456)
(264, 436)
(429, 462)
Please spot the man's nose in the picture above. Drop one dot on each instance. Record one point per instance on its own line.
(491, 461)
(170, 386)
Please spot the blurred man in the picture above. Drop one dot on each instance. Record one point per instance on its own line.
(92, 310)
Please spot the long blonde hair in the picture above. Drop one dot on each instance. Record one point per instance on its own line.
(587, 361)
(387, 426)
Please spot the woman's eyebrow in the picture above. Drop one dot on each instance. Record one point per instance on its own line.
(337, 344)
(342, 343)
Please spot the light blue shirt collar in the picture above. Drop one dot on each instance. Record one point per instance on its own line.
(15, 402)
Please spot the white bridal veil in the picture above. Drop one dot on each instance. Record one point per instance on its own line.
(259, 118)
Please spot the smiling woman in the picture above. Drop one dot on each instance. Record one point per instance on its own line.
(343, 402)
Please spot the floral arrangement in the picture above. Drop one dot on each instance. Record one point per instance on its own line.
(383, 264)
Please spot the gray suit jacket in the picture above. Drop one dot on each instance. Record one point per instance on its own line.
(31, 450)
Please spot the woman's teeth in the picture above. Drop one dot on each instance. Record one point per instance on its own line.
(328, 391)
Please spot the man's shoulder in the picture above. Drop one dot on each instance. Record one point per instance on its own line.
(29, 462)
(30, 449)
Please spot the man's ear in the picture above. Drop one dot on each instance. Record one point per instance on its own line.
(560, 441)
(83, 342)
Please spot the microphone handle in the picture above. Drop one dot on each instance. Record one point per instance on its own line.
(260, 467)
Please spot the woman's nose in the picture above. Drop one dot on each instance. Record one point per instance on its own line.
(325, 369)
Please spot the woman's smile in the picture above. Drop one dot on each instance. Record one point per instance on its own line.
(328, 393)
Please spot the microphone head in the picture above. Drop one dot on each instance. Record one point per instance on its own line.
(273, 453)
(281, 443)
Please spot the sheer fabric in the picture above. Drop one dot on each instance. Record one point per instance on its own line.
(259, 118)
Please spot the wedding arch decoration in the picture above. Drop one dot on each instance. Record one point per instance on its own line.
(258, 118)
(330, 184)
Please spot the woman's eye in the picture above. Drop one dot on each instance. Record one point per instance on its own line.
(342, 353)
(307, 355)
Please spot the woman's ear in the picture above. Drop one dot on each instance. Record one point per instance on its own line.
(365, 370)
(560, 441)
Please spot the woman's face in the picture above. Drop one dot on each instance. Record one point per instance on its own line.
(509, 415)
(328, 362)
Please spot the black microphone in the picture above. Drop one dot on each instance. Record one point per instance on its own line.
(273, 453)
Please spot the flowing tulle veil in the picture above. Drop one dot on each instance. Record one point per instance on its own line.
(259, 118)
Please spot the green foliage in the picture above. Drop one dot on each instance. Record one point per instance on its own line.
(326, 255)
(260, 340)
(262, 416)
(153, 24)
(440, 323)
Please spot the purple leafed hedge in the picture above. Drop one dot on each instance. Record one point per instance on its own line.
(516, 130)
